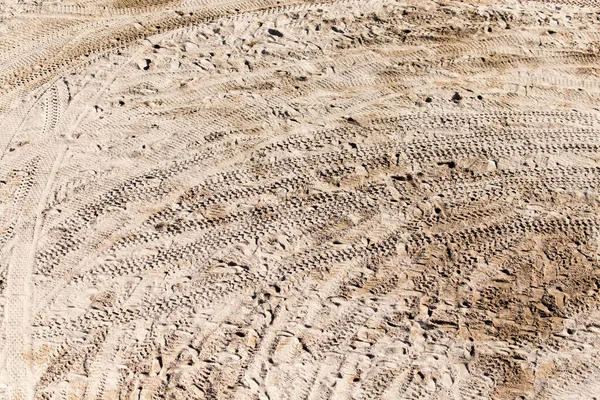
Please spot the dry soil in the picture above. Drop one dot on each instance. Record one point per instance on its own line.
(263, 199)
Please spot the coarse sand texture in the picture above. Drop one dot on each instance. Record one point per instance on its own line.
(299, 199)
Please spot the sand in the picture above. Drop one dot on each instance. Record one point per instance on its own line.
(267, 199)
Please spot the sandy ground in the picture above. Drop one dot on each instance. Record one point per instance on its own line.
(267, 199)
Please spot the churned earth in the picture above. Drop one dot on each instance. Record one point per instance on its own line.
(262, 199)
